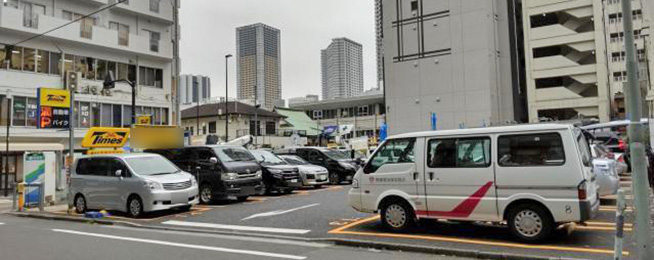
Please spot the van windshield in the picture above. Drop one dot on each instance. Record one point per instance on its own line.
(233, 154)
(151, 165)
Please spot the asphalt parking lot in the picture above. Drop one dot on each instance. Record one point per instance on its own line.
(321, 213)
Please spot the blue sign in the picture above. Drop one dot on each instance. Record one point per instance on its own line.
(383, 132)
(434, 120)
(329, 130)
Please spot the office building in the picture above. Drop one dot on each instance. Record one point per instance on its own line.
(305, 99)
(342, 69)
(132, 40)
(379, 44)
(457, 60)
(258, 62)
(194, 89)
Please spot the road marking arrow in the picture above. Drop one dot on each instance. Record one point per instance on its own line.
(279, 212)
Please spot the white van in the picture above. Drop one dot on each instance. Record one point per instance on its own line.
(534, 177)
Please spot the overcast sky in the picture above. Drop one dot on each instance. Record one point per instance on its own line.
(307, 26)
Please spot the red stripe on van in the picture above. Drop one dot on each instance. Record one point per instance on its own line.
(465, 208)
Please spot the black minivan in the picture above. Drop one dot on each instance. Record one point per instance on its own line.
(340, 166)
(223, 171)
(278, 175)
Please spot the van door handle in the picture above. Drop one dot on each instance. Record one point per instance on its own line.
(431, 176)
(415, 176)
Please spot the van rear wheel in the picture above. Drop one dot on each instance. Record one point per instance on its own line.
(397, 215)
(530, 223)
(80, 204)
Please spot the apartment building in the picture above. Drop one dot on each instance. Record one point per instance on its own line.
(305, 99)
(258, 64)
(565, 50)
(642, 13)
(342, 69)
(457, 60)
(194, 89)
(133, 40)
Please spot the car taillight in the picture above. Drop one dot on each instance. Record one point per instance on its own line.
(621, 159)
(581, 190)
(621, 145)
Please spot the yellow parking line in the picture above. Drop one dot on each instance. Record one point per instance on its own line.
(626, 229)
(342, 231)
(483, 242)
(606, 223)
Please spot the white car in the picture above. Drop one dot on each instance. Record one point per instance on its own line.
(605, 170)
(312, 175)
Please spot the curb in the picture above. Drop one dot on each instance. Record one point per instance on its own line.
(335, 241)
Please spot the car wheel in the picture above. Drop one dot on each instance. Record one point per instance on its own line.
(206, 194)
(80, 204)
(134, 206)
(242, 198)
(397, 215)
(530, 223)
(334, 179)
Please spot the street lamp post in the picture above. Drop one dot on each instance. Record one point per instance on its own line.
(226, 97)
(110, 82)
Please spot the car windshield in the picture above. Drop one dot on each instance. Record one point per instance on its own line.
(294, 160)
(267, 158)
(336, 154)
(151, 165)
(233, 154)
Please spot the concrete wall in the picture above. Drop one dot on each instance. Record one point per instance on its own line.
(457, 64)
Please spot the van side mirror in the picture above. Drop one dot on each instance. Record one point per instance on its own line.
(119, 173)
(213, 160)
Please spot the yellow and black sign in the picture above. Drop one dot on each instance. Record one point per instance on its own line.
(156, 137)
(54, 97)
(105, 137)
(143, 120)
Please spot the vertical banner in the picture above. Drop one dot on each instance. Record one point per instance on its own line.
(434, 120)
(34, 171)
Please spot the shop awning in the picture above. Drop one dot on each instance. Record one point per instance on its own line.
(16, 147)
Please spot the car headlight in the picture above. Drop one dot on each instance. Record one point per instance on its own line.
(228, 176)
(275, 171)
(258, 173)
(153, 185)
(194, 182)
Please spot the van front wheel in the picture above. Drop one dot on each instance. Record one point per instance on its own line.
(530, 223)
(397, 215)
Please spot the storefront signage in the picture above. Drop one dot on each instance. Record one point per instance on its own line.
(53, 108)
(159, 137)
(105, 137)
(143, 120)
(54, 97)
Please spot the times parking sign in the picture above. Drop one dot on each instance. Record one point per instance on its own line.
(53, 108)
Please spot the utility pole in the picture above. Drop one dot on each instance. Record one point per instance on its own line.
(6, 157)
(256, 116)
(227, 97)
(197, 110)
(636, 145)
(178, 117)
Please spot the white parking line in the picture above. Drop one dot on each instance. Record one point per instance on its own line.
(173, 244)
(1, 223)
(234, 227)
(279, 212)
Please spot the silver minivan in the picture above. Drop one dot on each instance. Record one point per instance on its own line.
(133, 183)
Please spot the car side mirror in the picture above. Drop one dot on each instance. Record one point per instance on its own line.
(213, 160)
(119, 173)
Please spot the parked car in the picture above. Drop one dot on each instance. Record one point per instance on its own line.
(312, 175)
(604, 168)
(341, 168)
(223, 171)
(534, 177)
(278, 176)
(133, 183)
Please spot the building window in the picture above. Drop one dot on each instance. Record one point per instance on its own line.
(271, 128)
(154, 40)
(123, 32)
(212, 127)
(641, 55)
(96, 114)
(204, 130)
(16, 61)
(127, 115)
(31, 14)
(117, 115)
(362, 111)
(29, 59)
(317, 114)
(154, 6)
(151, 77)
(43, 61)
(19, 111)
(254, 126)
(106, 115)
